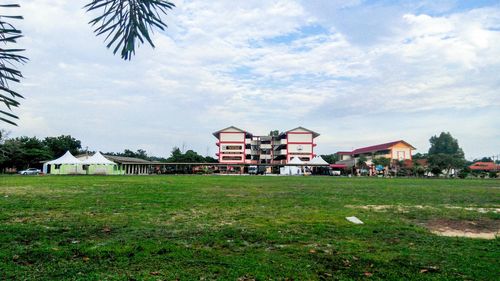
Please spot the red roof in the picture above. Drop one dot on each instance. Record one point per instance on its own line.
(379, 147)
(340, 166)
(484, 166)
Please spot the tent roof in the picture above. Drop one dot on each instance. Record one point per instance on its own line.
(97, 158)
(67, 158)
(295, 160)
(318, 161)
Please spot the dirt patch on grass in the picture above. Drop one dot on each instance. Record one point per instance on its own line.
(482, 229)
(475, 209)
(407, 208)
(384, 208)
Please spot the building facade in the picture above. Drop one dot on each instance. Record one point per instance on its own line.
(236, 146)
(396, 150)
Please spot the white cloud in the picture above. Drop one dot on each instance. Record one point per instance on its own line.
(254, 64)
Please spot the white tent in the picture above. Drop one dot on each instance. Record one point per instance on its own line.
(97, 164)
(97, 159)
(292, 170)
(318, 161)
(66, 159)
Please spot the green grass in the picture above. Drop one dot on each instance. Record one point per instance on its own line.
(240, 228)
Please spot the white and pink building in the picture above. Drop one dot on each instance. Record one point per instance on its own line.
(237, 146)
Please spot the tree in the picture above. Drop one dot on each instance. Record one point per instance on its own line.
(445, 153)
(125, 23)
(10, 58)
(190, 156)
(274, 133)
(140, 153)
(484, 159)
(59, 145)
(382, 161)
(419, 156)
(24, 152)
(330, 158)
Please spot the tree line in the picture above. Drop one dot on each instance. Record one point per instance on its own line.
(29, 152)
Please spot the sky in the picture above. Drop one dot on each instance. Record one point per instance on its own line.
(357, 72)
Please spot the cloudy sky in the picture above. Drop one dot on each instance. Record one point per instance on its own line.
(357, 72)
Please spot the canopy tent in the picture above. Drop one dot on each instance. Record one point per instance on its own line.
(97, 159)
(97, 164)
(292, 170)
(66, 159)
(318, 161)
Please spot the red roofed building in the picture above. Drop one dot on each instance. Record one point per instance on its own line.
(396, 150)
(485, 166)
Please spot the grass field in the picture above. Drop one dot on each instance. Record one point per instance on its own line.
(244, 228)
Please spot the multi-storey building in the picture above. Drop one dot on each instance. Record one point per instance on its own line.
(237, 146)
(234, 145)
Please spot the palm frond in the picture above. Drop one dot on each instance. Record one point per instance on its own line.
(9, 59)
(128, 23)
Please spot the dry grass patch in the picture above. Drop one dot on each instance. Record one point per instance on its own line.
(482, 229)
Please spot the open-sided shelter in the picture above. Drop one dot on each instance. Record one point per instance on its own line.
(64, 165)
(97, 164)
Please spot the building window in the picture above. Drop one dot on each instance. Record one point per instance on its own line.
(231, 158)
(57, 166)
(232, 147)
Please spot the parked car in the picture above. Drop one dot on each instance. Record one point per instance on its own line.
(30, 171)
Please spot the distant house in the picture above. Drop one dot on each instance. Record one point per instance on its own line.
(485, 166)
(397, 150)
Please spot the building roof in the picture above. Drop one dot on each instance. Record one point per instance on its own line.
(99, 159)
(375, 148)
(216, 134)
(302, 128)
(484, 166)
(116, 159)
(127, 160)
(67, 158)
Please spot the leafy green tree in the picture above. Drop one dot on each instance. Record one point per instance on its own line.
(59, 145)
(125, 24)
(189, 156)
(419, 155)
(445, 153)
(209, 159)
(484, 159)
(24, 152)
(140, 153)
(361, 162)
(382, 161)
(274, 133)
(330, 158)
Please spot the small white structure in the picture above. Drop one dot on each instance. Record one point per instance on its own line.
(64, 165)
(354, 220)
(97, 164)
(293, 170)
